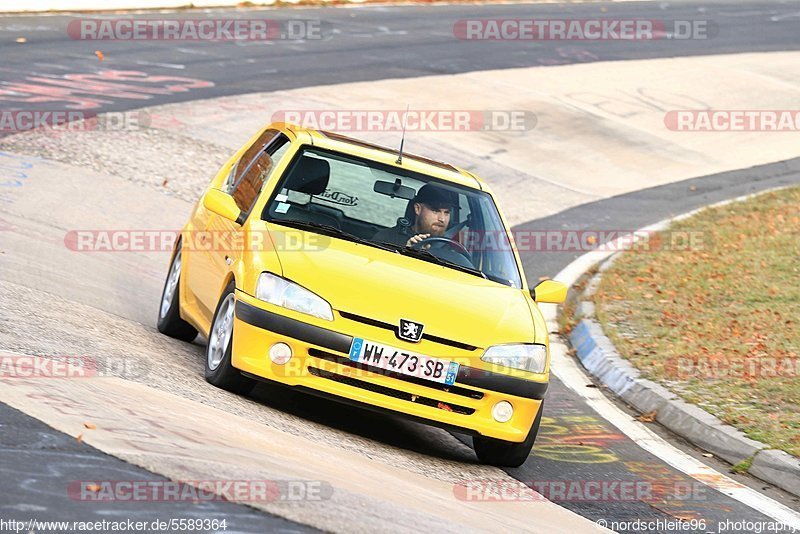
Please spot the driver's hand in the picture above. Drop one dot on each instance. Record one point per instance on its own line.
(417, 239)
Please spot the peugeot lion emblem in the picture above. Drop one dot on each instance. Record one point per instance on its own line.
(410, 331)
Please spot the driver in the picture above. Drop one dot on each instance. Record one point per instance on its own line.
(431, 208)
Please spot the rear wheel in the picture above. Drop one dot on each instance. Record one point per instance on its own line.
(169, 315)
(502, 453)
(219, 370)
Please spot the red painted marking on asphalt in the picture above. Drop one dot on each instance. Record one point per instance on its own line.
(89, 90)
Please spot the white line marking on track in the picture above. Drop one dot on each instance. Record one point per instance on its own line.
(778, 18)
(165, 65)
(575, 378)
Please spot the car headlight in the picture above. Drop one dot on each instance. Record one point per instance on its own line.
(282, 292)
(531, 357)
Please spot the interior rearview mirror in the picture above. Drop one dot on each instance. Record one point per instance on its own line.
(223, 205)
(394, 189)
(549, 291)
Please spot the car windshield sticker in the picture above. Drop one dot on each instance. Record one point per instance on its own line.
(283, 207)
(281, 198)
(338, 197)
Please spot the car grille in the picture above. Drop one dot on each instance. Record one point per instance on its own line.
(393, 328)
(342, 360)
(390, 392)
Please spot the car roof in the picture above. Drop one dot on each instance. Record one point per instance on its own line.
(371, 151)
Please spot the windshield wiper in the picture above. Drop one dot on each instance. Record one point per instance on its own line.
(330, 230)
(427, 256)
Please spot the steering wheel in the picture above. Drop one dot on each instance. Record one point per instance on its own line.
(433, 241)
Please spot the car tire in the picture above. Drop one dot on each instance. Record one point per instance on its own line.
(502, 453)
(219, 370)
(169, 314)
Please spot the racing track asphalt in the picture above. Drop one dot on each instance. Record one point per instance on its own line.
(36, 463)
(410, 45)
(575, 446)
(630, 212)
(365, 43)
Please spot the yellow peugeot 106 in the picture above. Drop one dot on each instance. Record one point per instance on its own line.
(371, 277)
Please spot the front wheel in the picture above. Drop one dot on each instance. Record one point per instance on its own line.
(169, 315)
(502, 453)
(219, 370)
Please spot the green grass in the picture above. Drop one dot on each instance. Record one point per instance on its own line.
(743, 466)
(719, 324)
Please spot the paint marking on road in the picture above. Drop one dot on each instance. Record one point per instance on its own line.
(165, 65)
(49, 66)
(778, 18)
(192, 51)
(575, 378)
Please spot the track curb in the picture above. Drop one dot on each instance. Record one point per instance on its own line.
(600, 358)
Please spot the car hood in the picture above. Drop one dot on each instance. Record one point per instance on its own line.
(387, 286)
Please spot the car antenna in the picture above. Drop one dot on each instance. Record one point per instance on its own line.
(402, 138)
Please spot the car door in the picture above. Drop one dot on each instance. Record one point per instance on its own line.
(225, 238)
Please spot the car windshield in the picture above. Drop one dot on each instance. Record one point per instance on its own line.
(376, 204)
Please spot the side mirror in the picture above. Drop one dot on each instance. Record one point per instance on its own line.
(549, 291)
(223, 205)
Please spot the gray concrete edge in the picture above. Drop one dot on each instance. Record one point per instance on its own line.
(601, 359)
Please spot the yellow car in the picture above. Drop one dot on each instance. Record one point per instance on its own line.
(368, 276)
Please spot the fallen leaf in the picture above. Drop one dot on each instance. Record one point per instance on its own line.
(99, 55)
(708, 455)
(445, 407)
(693, 188)
(93, 487)
(90, 426)
(21, 40)
(648, 417)
(591, 239)
(543, 278)
(164, 183)
(648, 295)
(79, 438)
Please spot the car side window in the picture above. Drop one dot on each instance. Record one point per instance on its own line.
(250, 178)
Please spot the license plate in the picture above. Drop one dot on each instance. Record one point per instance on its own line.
(403, 362)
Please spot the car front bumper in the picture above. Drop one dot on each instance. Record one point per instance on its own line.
(320, 365)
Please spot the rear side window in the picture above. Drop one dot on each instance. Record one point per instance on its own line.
(255, 168)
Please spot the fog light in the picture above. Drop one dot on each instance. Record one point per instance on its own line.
(502, 411)
(280, 353)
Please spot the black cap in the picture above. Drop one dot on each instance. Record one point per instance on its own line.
(436, 197)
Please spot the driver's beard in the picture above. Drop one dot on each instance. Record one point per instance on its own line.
(436, 232)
